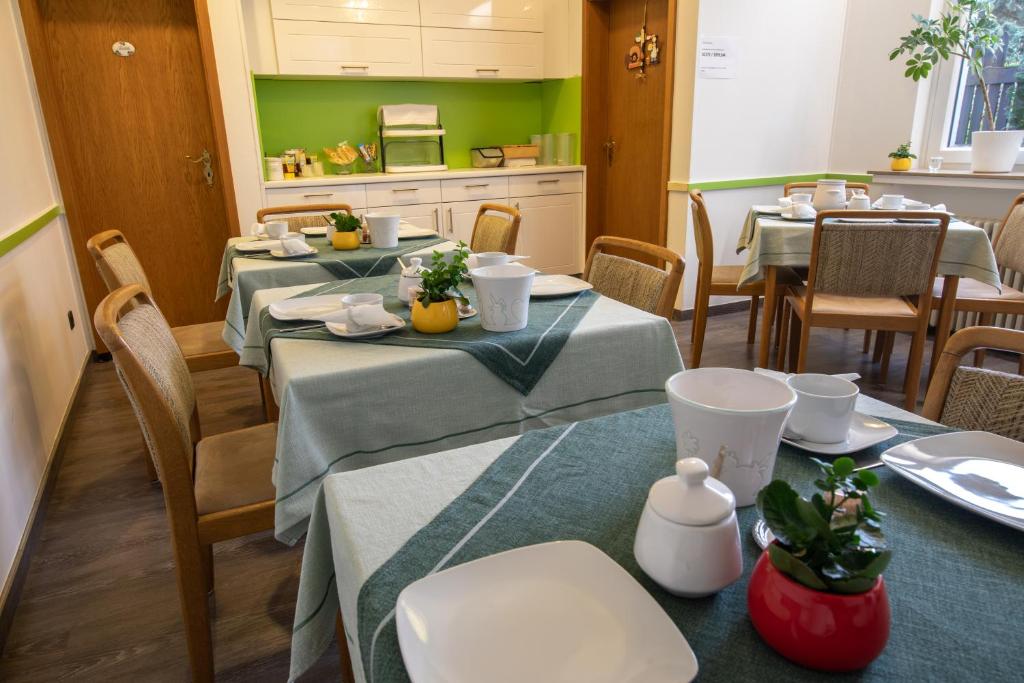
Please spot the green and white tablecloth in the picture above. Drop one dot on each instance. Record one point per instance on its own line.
(954, 582)
(773, 241)
(242, 275)
(345, 406)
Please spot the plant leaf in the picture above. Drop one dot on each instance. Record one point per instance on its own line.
(794, 568)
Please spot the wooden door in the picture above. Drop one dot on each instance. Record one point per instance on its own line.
(121, 128)
(626, 120)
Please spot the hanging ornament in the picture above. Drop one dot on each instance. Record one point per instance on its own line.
(645, 50)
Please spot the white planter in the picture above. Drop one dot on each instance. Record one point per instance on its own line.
(383, 229)
(503, 296)
(995, 151)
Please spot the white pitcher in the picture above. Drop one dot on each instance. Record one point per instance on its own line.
(503, 296)
(829, 194)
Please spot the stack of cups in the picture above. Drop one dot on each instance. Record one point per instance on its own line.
(275, 169)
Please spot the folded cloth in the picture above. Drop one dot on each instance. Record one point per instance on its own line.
(367, 317)
(803, 211)
(295, 246)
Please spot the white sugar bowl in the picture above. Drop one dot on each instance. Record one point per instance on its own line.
(688, 539)
(412, 276)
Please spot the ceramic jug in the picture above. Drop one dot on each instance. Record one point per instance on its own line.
(410, 277)
(829, 194)
(688, 539)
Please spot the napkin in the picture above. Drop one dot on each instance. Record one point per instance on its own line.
(358, 318)
(805, 211)
(295, 246)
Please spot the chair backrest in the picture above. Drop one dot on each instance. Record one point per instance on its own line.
(496, 228)
(975, 398)
(155, 376)
(302, 215)
(898, 257)
(702, 236)
(803, 186)
(1008, 242)
(116, 261)
(638, 284)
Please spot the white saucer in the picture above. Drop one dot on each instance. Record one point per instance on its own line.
(287, 235)
(467, 312)
(557, 285)
(865, 431)
(339, 329)
(314, 231)
(280, 253)
(257, 246)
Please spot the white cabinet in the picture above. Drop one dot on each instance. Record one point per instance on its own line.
(353, 195)
(403, 193)
(545, 183)
(459, 219)
(551, 232)
(471, 53)
(499, 15)
(427, 216)
(402, 12)
(563, 38)
(347, 49)
(465, 189)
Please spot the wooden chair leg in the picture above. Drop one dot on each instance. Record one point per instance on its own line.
(752, 325)
(867, 341)
(700, 321)
(344, 656)
(886, 346)
(195, 610)
(805, 339)
(979, 355)
(206, 555)
(912, 383)
(154, 478)
(697, 298)
(794, 338)
(1020, 365)
(782, 326)
(269, 404)
(876, 356)
(778, 316)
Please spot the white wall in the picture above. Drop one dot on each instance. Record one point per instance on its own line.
(40, 357)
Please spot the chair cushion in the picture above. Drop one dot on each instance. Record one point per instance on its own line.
(233, 469)
(835, 304)
(201, 340)
(973, 289)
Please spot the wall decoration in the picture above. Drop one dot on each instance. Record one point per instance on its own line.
(644, 52)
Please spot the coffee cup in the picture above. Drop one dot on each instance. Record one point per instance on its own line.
(800, 198)
(362, 299)
(892, 202)
(491, 258)
(824, 408)
(276, 229)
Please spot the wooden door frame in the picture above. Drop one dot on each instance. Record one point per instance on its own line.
(595, 123)
(59, 133)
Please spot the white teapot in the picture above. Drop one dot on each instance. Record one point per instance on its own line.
(829, 194)
(859, 201)
(411, 277)
(688, 539)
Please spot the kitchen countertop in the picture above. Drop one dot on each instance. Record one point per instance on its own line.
(364, 178)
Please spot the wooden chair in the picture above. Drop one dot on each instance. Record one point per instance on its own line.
(201, 344)
(302, 215)
(720, 280)
(496, 229)
(974, 398)
(869, 276)
(632, 282)
(790, 188)
(215, 489)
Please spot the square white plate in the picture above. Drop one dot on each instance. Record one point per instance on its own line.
(282, 254)
(864, 431)
(557, 285)
(340, 329)
(561, 612)
(979, 471)
(257, 246)
(306, 307)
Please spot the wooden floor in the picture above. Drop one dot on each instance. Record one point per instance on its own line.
(100, 601)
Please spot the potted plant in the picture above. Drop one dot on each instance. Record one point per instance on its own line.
(345, 236)
(967, 29)
(816, 595)
(435, 309)
(901, 158)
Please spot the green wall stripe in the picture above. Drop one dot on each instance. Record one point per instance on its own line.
(739, 183)
(8, 243)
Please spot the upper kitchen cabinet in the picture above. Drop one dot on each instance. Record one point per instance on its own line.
(495, 15)
(400, 12)
(347, 49)
(472, 53)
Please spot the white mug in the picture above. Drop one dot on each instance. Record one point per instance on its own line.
(824, 408)
(276, 229)
(732, 420)
(892, 202)
(503, 296)
(383, 229)
(491, 258)
(800, 198)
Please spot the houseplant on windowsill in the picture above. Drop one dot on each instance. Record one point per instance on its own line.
(901, 158)
(345, 235)
(435, 309)
(816, 594)
(966, 29)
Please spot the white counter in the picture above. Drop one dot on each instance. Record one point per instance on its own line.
(366, 178)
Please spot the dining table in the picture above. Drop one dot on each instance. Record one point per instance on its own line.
(347, 404)
(772, 242)
(954, 582)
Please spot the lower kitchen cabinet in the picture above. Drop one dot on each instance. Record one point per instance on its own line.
(427, 216)
(460, 217)
(551, 232)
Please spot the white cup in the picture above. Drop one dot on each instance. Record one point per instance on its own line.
(383, 229)
(732, 420)
(784, 202)
(503, 296)
(491, 258)
(824, 408)
(276, 229)
(800, 198)
(364, 299)
(892, 202)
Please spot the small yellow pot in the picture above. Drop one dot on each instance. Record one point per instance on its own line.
(344, 241)
(438, 317)
(901, 164)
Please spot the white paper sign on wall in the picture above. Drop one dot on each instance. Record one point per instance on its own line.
(718, 57)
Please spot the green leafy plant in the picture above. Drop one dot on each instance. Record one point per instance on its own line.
(902, 152)
(966, 29)
(441, 281)
(832, 541)
(345, 222)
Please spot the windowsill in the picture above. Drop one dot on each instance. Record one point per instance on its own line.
(952, 178)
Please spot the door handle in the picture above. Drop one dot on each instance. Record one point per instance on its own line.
(609, 149)
(207, 161)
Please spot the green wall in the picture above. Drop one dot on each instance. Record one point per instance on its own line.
(318, 113)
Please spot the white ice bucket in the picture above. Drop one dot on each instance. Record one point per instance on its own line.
(383, 229)
(503, 296)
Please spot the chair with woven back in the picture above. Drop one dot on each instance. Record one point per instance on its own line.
(215, 488)
(720, 280)
(496, 229)
(975, 398)
(638, 284)
(868, 276)
(300, 216)
(803, 186)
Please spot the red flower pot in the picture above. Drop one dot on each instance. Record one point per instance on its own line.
(825, 631)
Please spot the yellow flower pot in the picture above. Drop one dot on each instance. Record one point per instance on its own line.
(901, 164)
(438, 317)
(344, 241)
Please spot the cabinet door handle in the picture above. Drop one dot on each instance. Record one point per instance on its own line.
(318, 194)
(406, 189)
(549, 180)
(517, 206)
(451, 222)
(433, 219)
(477, 185)
(355, 67)
(487, 71)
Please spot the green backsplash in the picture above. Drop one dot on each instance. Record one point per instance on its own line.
(319, 113)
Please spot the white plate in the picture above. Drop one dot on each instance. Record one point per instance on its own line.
(864, 431)
(408, 231)
(788, 216)
(766, 208)
(314, 230)
(560, 612)
(307, 307)
(557, 285)
(340, 330)
(280, 253)
(257, 246)
(979, 471)
(287, 235)
(908, 205)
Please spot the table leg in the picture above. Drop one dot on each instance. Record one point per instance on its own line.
(769, 316)
(946, 310)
